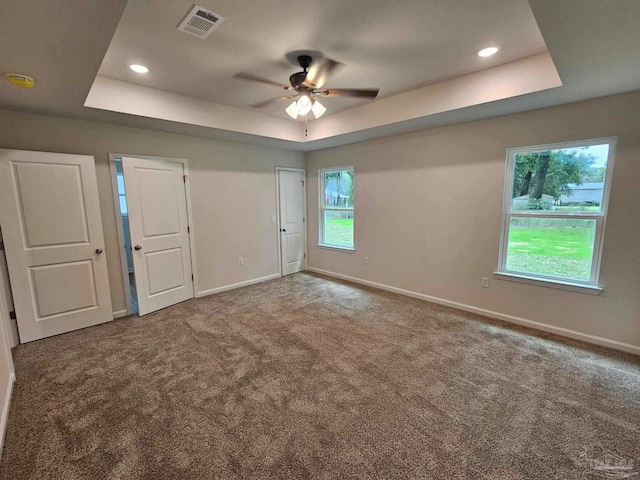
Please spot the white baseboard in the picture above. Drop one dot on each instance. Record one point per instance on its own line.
(120, 314)
(246, 283)
(585, 337)
(4, 416)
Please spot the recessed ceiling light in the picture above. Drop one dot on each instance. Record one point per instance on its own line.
(488, 51)
(139, 68)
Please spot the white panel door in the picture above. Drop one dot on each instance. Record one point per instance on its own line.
(52, 231)
(292, 224)
(157, 206)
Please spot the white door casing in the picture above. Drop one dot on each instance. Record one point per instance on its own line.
(158, 221)
(52, 229)
(292, 220)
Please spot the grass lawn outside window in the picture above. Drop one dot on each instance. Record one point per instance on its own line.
(339, 231)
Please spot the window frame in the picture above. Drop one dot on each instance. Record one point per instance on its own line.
(592, 284)
(322, 208)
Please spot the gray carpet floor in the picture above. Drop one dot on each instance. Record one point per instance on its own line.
(307, 377)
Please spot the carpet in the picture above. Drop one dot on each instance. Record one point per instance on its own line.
(310, 377)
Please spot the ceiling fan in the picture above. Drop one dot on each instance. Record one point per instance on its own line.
(307, 86)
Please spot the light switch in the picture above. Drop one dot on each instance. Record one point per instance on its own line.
(273, 219)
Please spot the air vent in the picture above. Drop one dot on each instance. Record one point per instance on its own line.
(200, 22)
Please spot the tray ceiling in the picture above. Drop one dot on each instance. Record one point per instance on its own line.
(396, 46)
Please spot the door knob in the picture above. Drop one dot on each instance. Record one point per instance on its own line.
(137, 247)
(283, 229)
(98, 251)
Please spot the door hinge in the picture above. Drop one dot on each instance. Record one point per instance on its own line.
(304, 255)
(303, 183)
(188, 229)
(192, 277)
(184, 178)
(304, 220)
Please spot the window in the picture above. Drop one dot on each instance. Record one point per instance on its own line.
(121, 194)
(121, 191)
(336, 207)
(555, 210)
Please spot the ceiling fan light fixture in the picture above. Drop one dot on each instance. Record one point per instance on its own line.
(318, 109)
(292, 110)
(304, 104)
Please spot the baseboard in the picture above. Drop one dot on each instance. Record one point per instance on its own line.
(4, 417)
(237, 285)
(120, 314)
(585, 337)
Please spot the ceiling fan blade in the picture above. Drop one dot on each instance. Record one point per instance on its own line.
(350, 92)
(269, 102)
(320, 71)
(256, 78)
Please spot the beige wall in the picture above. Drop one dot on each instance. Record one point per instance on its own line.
(232, 187)
(429, 205)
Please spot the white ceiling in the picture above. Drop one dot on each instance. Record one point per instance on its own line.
(395, 46)
(592, 43)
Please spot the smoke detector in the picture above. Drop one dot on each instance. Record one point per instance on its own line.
(200, 22)
(20, 80)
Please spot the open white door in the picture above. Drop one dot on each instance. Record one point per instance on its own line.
(52, 231)
(158, 221)
(292, 221)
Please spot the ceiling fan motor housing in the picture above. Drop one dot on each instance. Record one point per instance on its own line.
(298, 78)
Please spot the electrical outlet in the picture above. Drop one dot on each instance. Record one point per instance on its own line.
(485, 282)
(366, 260)
(273, 219)
(240, 262)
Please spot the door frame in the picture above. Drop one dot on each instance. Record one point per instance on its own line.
(304, 200)
(116, 205)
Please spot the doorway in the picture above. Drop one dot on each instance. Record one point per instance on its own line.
(292, 232)
(153, 201)
(123, 219)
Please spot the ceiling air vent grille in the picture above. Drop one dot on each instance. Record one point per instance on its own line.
(200, 22)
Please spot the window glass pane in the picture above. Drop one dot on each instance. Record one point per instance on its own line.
(123, 205)
(338, 228)
(563, 180)
(556, 247)
(338, 188)
(120, 184)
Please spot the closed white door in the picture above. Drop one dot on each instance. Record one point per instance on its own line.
(158, 221)
(292, 221)
(50, 218)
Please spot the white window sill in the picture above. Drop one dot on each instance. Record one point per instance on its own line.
(544, 282)
(334, 247)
